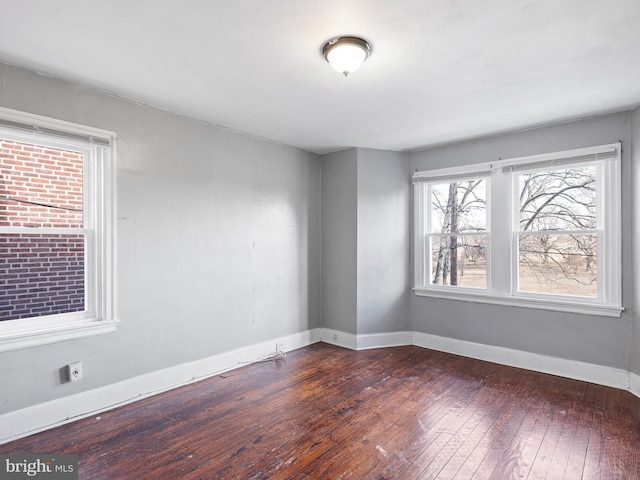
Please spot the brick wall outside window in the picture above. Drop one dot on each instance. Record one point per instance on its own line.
(40, 274)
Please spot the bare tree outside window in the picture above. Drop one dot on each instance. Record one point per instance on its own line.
(558, 238)
(540, 231)
(458, 239)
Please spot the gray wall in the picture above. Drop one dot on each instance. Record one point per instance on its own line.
(634, 351)
(593, 339)
(365, 241)
(339, 240)
(226, 240)
(218, 242)
(383, 241)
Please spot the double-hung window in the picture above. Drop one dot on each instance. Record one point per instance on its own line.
(540, 231)
(455, 234)
(57, 197)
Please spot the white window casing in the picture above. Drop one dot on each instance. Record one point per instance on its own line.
(503, 231)
(99, 204)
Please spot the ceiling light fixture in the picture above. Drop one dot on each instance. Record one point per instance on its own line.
(346, 54)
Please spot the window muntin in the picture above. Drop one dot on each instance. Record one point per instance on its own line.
(561, 208)
(57, 211)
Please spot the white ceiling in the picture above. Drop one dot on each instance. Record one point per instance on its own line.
(441, 70)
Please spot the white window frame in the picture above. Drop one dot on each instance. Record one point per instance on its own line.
(502, 268)
(99, 202)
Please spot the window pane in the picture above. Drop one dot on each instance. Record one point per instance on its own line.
(558, 200)
(41, 274)
(459, 207)
(469, 265)
(559, 264)
(39, 186)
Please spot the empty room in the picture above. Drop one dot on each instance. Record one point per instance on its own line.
(354, 239)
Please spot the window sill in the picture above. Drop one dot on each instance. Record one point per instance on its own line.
(555, 305)
(14, 337)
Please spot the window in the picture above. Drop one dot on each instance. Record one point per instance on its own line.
(456, 234)
(56, 230)
(557, 231)
(541, 231)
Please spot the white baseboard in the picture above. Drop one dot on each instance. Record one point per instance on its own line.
(381, 340)
(339, 338)
(609, 376)
(634, 384)
(365, 341)
(27, 421)
(588, 372)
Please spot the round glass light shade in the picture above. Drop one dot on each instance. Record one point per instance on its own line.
(346, 54)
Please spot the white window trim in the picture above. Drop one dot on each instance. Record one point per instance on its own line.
(30, 332)
(502, 286)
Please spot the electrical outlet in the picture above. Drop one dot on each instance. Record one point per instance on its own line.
(335, 337)
(279, 346)
(75, 371)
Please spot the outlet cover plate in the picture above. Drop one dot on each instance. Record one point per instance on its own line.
(75, 371)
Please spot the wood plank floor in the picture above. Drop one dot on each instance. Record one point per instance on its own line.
(330, 413)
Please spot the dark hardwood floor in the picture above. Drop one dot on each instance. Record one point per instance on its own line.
(329, 413)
